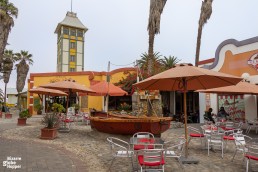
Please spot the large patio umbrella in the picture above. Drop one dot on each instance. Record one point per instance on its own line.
(104, 88)
(185, 77)
(68, 86)
(48, 92)
(240, 88)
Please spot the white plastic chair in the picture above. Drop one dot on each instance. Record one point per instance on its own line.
(119, 148)
(174, 149)
(240, 143)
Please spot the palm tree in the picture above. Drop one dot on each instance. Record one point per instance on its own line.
(22, 70)
(8, 61)
(206, 12)
(156, 8)
(156, 62)
(7, 12)
(169, 62)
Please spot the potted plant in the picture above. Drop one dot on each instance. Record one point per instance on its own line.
(23, 115)
(6, 111)
(51, 121)
(38, 107)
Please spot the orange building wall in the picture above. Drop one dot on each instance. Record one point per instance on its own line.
(237, 64)
(86, 78)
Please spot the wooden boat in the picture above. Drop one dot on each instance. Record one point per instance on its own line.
(130, 125)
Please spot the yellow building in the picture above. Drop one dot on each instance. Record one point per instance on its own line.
(86, 78)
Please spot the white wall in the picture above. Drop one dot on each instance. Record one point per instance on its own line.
(202, 106)
(250, 107)
(12, 99)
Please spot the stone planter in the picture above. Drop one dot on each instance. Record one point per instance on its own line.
(48, 134)
(8, 115)
(21, 121)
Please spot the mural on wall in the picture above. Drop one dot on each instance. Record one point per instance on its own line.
(253, 61)
(234, 105)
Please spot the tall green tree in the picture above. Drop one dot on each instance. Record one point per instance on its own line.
(206, 11)
(169, 62)
(156, 8)
(25, 59)
(7, 12)
(156, 63)
(8, 61)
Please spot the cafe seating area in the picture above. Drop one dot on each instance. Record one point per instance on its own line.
(149, 152)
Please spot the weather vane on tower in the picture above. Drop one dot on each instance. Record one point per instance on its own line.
(71, 5)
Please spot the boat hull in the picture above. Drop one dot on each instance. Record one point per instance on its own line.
(154, 125)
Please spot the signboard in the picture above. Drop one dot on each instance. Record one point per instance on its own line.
(234, 105)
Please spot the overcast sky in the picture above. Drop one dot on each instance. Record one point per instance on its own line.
(118, 30)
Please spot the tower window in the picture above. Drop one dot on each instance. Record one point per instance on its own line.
(72, 69)
(66, 31)
(79, 33)
(72, 45)
(73, 33)
(72, 58)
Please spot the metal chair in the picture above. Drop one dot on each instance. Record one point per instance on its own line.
(119, 148)
(174, 149)
(251, 154)
(143, 138)
(215, 139)
(240, 143)
(194, 133)
(151, 159)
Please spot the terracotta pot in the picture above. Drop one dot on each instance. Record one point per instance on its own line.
(8, 115)
(21, 121)
(49, 134)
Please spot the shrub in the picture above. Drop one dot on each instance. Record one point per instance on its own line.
(124, 106)
(25, 114)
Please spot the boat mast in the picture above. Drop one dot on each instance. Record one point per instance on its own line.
(108, 80)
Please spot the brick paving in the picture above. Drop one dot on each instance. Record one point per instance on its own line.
(35, 157)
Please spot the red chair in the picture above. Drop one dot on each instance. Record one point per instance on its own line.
(151, 158)
(143, 140)
(194, 133)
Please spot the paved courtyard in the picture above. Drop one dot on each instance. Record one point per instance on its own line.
(84, 149)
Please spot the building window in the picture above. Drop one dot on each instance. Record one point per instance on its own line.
(72, 45)
(72, 69)
(73, 33)
(66, 31)
(72, 58)
(79, 33)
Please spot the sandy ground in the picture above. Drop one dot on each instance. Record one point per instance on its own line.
(92, 148)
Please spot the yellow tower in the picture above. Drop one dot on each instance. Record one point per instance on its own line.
(70, 44)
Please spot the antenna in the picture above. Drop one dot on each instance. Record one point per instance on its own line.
(71, 5)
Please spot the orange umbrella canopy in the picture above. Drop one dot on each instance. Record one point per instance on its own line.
(104, 88)
(47, 91)
(240, 88)
(68, 86)
(188, 77)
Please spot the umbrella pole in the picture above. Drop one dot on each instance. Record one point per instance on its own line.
(186, 132)
(186, 159)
